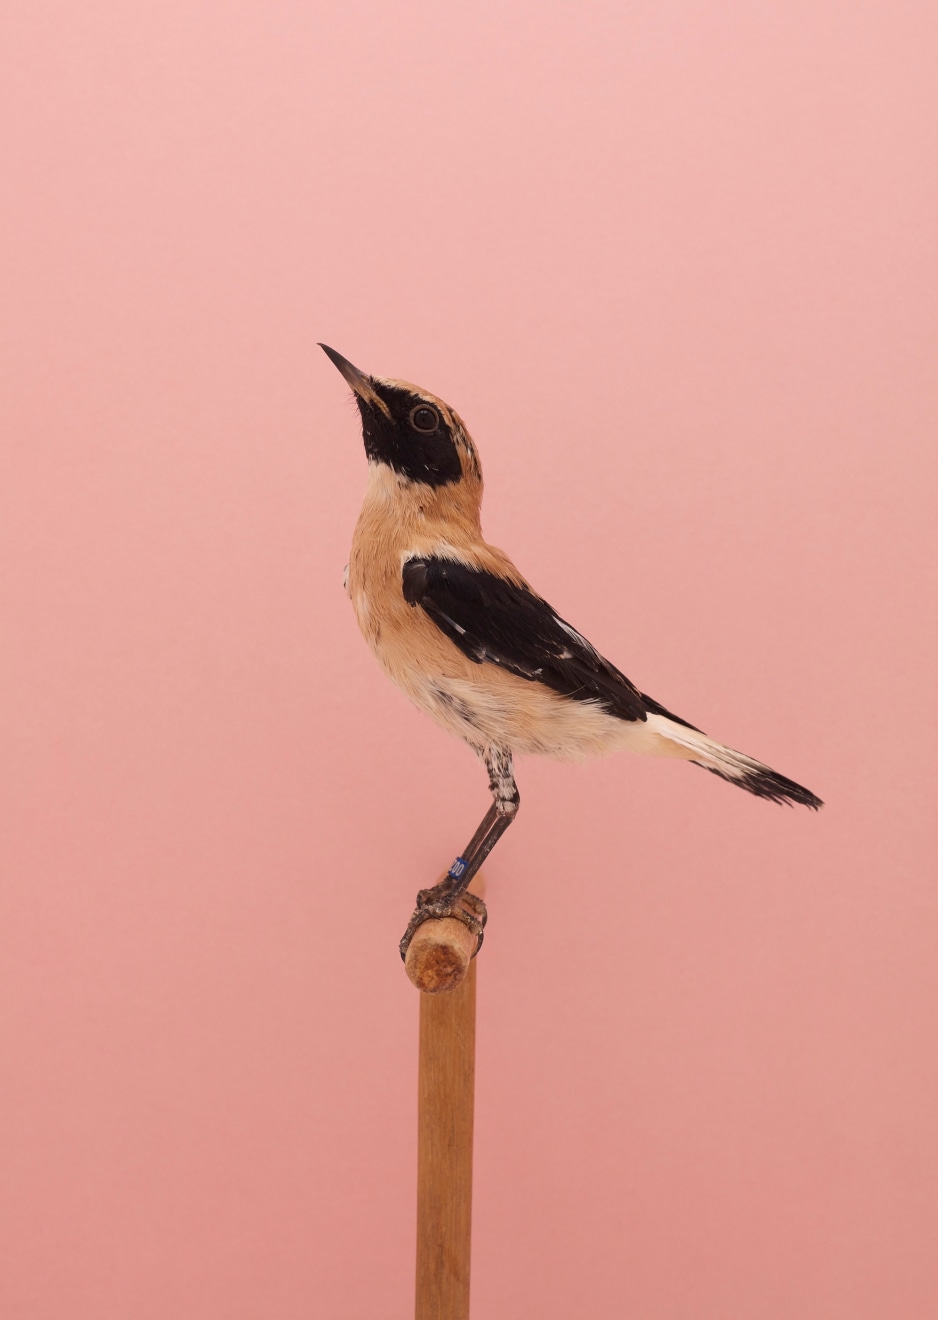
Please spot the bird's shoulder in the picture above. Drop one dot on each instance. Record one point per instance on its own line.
(471, 554)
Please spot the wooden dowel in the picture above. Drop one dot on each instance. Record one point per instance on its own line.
(446, 1085)
(444, 1151)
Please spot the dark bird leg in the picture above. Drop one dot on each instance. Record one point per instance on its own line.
(449, 898)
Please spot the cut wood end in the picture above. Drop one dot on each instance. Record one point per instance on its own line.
(441, 951)
(439, 955)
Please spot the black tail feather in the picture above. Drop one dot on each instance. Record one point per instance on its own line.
(766, 783)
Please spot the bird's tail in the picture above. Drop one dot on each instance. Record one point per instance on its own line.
(675, 738)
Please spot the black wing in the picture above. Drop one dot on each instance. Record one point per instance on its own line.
(494, 621)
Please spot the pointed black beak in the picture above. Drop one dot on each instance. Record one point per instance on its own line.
(351, 374)
(360, 383)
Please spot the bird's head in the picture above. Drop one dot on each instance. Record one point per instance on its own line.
(412, 432)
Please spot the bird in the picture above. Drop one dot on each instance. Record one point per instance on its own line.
(454, 624)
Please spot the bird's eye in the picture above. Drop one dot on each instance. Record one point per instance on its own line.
(424, 418)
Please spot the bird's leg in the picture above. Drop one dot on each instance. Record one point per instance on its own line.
(450, 897)
(496, 820)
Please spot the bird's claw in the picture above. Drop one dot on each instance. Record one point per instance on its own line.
(432, 906)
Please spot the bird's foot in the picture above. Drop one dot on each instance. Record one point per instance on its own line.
(440, 901)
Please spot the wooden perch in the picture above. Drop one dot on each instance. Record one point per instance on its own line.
(441, 951)
(442, 960)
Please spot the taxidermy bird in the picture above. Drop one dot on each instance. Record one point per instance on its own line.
(452, 622)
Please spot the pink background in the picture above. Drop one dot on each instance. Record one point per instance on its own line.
(675, 265)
